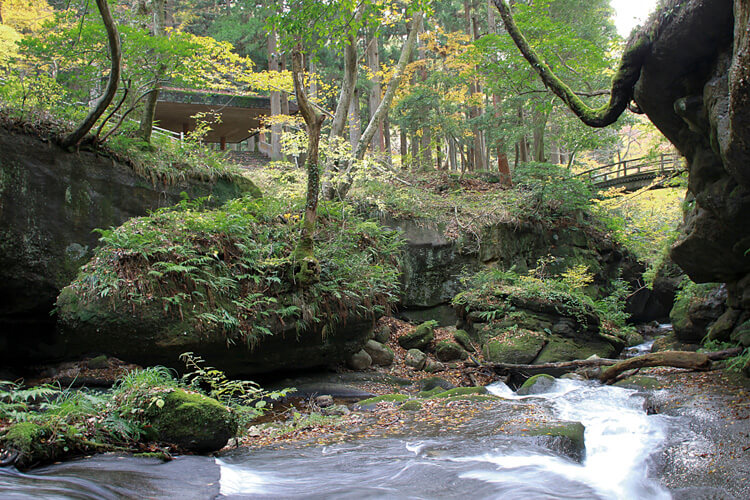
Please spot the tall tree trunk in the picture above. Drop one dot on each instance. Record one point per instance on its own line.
(274, 65)
(113, 39)
(426, 150)
(373, 63)
(540, 125)
(308, 268)
(149, 110)
(355, 125)
(402, 147)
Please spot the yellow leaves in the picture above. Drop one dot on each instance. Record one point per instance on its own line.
(25, 16)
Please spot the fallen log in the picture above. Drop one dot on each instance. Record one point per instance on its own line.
(653, 359)
(549, 368)
(676, 359)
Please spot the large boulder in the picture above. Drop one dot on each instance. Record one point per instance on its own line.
(51, 200)
(420, 338)
(192, 421)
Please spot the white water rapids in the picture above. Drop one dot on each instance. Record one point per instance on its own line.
(475, 461)
(619, 438)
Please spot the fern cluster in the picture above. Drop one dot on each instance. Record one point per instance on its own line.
(231, 270)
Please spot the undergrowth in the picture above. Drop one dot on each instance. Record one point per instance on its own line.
(493, 292)
(231, 270)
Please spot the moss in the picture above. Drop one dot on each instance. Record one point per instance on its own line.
(572, 430)
(412, 405)
(462, 391)
(449, 351)
(431, 393)
(519, 346)
(419, 338)
(464, 340)
(192, 421)
(390, 398)
(26, 438)
(564, 349)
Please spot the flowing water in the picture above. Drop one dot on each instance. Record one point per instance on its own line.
(619, 438)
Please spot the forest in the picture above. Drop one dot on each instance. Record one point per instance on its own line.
(500, 230)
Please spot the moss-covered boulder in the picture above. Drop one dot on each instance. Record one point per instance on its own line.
(536, 385)
(463, 339)
(420, 338)
(560, 349)
(516, 346)
(412, 405)
(191, 421)
(449, 351)
(695, 308)
(380, 354)
(221, 282)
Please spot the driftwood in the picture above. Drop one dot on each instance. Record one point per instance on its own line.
(677, 359)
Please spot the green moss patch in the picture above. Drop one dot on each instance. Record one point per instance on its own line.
(389, 398)
(462, 391)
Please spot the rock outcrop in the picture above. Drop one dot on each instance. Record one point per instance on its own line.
(50, 202)
(695, 87)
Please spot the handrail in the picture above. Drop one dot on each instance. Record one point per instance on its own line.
(663, 158)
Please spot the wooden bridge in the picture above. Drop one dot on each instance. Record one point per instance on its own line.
(636, 173)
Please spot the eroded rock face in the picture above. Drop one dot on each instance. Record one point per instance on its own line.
(50, 201)
(695, 87)
(434, 264)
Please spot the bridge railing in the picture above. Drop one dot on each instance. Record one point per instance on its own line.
(663, 164)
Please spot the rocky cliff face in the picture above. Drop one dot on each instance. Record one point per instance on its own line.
(50, 201)
(695, 87)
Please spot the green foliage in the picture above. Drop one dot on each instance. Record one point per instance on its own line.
(245, 397)
(646, 223)
(230, 271)
(492, 293)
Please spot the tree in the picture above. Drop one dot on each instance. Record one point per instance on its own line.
(115, 54)
(304, 27)
(623, 82)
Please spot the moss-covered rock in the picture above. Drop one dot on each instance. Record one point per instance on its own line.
(412, 405)
(220, 282)
(431, 393)
(432, 366)
(450, 351)
(380, 354)
(639, 382)
(430, 383)
(192, 421)
(741, 334)
(563, 349)
(536, 385)
(420, 338)
(517, 346)
(360, 360)
(464, 340)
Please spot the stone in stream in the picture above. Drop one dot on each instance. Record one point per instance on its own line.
(419, 338)
(360, 360)
(537, 384)
(566, 438)
(381, 355)
(415, 358)
(430, 383)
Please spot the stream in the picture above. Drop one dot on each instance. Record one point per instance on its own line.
(619, 439)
